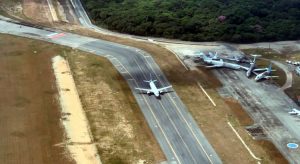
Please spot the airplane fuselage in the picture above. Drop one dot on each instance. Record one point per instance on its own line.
(221, 63)
(295, 112)
(262, 75)
(154, 89)
(251, 68)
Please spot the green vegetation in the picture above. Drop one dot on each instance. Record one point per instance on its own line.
(201, 20)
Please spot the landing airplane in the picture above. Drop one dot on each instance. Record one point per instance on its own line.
(217, 62)
(264, 75)
(153, 89)
(295, 112)
(251, 69)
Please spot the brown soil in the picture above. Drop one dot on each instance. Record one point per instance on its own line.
(32, 7)
(212, 120)
(29, 113)
(118, 125)
(273, 152)
(242, 116)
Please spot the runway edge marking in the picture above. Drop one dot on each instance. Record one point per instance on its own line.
(243, 142)
(189, 126)
(158, 123)
(211, 100)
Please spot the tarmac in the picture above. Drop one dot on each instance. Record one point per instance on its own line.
(266, 103)
(268, 106)
(175, 130)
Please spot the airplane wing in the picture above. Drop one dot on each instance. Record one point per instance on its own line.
(161, 89)
(214, 66)
(243, 67)
(255, 73)
(143, 89)
(260, 69)
(268, 77)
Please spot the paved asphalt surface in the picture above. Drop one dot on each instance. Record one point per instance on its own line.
(268, 106)
(176, 131)
(265, 103)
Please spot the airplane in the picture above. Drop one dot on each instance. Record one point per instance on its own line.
(251, 69)
(295, 112)
(264, 75)
(153, 89)
(217, 62)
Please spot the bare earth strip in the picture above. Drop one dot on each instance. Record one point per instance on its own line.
(80, 141)
(29, 112)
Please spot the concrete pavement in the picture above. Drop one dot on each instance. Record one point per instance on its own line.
(176, 131)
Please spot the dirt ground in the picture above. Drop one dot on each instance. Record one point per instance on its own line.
(80, 141)
(29, 113)
(212, 120)
(32, 7)
(118, 126)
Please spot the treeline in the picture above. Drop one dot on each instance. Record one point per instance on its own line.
(200, 20)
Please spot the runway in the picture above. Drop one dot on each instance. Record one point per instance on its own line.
(176, 131)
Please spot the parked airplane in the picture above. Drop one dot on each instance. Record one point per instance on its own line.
(153, 89)
(295, 112)
(216, 62)
(264, 75)
(251, 69)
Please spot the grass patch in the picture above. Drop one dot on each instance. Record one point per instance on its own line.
(241, 115)
(265, 53)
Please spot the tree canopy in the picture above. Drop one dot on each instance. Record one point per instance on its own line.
(200, 20)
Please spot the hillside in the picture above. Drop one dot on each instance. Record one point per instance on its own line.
(200, 20)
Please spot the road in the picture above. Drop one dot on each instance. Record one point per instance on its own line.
(289, 74)
(176, 131)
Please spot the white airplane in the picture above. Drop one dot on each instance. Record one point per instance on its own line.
(216, 62)
(251, 69)
(153, 89)
(264, 75)
(295, 112)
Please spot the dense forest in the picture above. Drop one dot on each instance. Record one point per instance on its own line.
(200, 20)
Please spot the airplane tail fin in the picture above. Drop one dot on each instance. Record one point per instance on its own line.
(254, 57)
(216, 56)
(270, 68)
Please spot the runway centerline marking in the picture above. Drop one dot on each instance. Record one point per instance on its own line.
(210, 99)
(158, 123)
(177, 131)
(182, 117)
(243, 142)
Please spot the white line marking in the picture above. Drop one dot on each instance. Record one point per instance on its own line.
(49, 35)
(52, 11)
(178, 58)
(237, 134)
(165, 110)
(214, 104)
(158, 123)
(189, 126)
